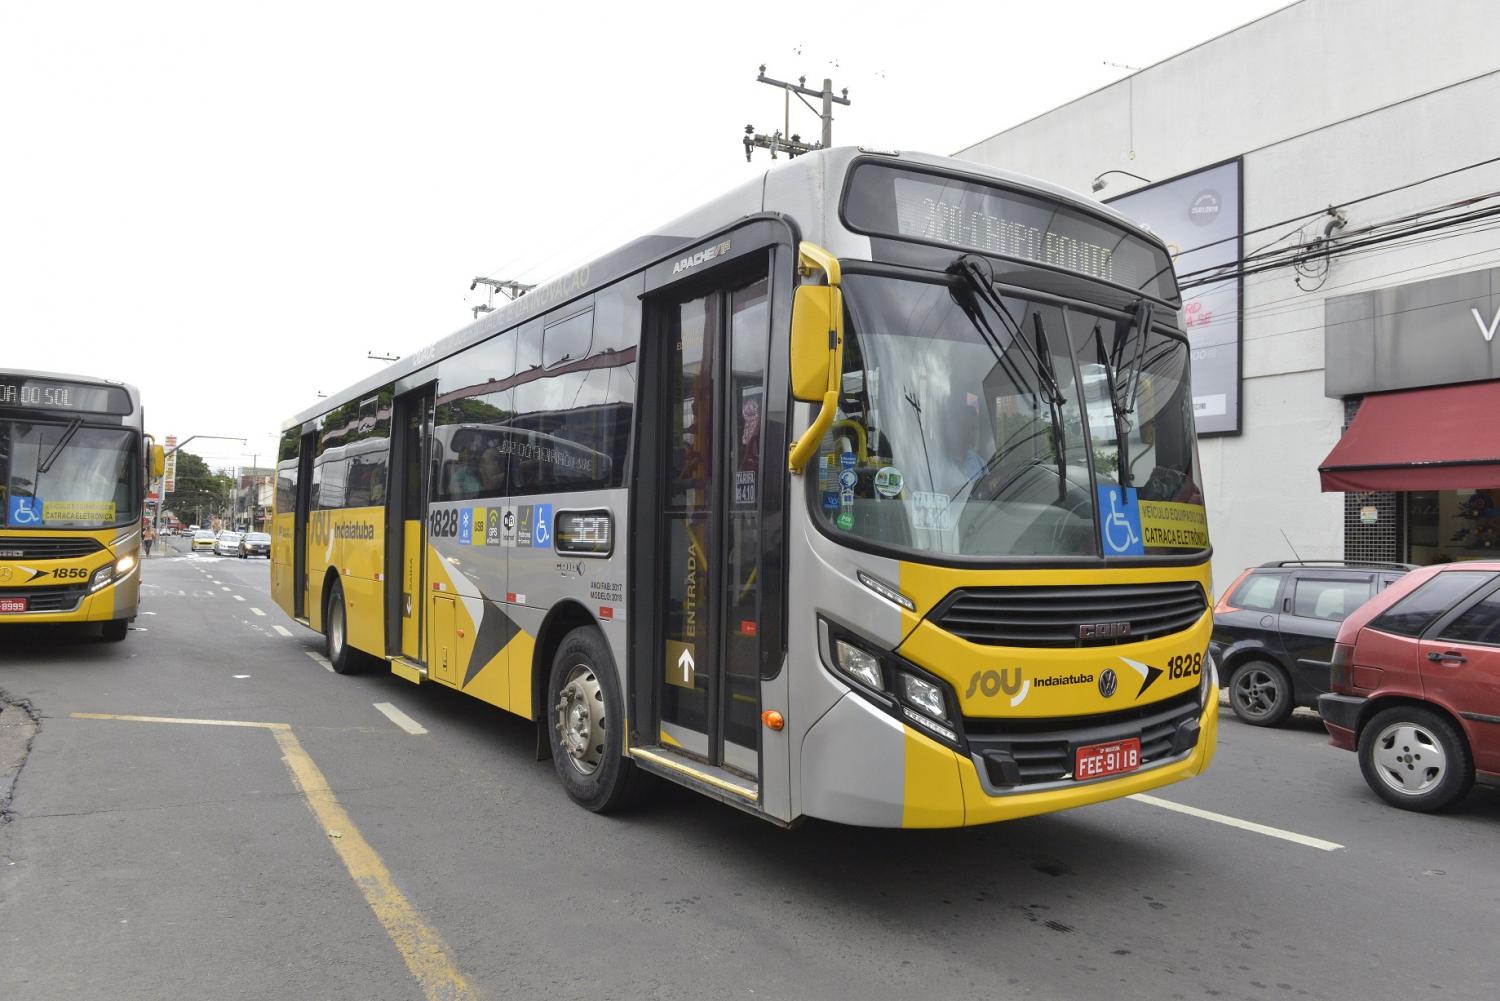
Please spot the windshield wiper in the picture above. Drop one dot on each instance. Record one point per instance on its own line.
(1122, 422)
(1138, 327)
(977, 274)
(46, 464)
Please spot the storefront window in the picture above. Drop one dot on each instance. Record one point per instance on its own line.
(1445, 526)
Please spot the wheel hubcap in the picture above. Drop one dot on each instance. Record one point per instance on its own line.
(579, 719)
(1256, 692)
(1409, 759)
(336, 629)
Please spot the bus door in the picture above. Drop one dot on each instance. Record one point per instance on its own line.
(406, 526)
(709, 614)
(299, 524)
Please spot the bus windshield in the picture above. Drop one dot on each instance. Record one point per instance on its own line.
(64, 475)
(964, 427)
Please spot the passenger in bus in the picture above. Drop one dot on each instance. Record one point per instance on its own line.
(492, 470)
(463, 476)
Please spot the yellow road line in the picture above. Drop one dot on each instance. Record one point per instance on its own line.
(426, 954)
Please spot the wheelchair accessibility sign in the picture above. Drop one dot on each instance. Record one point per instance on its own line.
(24, 511)
(1120, 522)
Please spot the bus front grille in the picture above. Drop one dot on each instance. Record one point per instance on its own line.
(1028, 752)
(1071, 616)
(22, 547)
(49, 599)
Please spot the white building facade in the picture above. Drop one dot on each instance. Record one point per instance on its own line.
(1323, 103)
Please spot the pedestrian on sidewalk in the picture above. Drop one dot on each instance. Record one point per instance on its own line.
(148, 536)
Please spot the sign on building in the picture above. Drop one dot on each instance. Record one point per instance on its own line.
(1199, 216)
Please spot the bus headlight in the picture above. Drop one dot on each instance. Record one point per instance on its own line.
(896, 685)
(923, 696)
(1208, 687)
(112, 573)
(861, 665)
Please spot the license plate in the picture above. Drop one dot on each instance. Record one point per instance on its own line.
(12, 604)
(1098, 760)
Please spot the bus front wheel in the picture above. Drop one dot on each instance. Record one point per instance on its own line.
(586, 725)
(115, 630)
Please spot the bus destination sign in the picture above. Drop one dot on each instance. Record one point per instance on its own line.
(25, 393)
(935, 208)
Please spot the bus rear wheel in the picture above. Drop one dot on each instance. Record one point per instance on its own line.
(585, 719)
(344, 658)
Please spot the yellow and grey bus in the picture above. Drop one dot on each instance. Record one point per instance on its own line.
(867, 492)
(74, 462)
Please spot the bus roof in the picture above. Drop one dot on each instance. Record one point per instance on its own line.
(810, 183)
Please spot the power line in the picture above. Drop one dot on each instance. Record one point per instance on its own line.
(1340, 205)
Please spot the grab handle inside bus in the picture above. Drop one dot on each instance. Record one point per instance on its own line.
(817, 348)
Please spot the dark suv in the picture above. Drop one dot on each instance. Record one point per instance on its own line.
(1274, 629)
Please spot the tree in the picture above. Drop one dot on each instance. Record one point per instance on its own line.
(199, 492)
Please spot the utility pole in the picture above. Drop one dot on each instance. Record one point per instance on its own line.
(507, 287)
(783, 139)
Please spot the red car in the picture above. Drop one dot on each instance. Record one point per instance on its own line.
(1416, 686)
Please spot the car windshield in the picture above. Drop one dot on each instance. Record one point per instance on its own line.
(68, 476)
(257, 537)
(970, 426)
(203, 535)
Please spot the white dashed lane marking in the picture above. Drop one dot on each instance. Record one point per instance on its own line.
(223, 588)
(257, 611)
(400, 718)
(283, 630)
(320, 659)
(239, 597)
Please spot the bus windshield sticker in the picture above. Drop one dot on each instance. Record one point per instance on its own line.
(932, 511)
(1120, 522)
(78, 511)
(1174, 525)
(24, 511)
(888, 481)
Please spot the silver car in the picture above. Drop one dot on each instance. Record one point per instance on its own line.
(227, 544)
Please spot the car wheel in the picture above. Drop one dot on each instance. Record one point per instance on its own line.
(1260, 693)
(586, 725)
(344, 658)
(1415, 758)
(115, 630)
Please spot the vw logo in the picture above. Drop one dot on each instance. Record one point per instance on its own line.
(1108, 682)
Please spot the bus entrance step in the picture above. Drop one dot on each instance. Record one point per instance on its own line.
(415, 673)
(719, 782)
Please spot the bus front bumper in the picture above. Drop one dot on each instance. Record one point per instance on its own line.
(117, 600)
(861, 766)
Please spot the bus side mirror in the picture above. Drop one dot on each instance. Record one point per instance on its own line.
(158, 461)
(814, 339)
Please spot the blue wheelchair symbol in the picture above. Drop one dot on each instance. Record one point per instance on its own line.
(24, 511)
(1120, 522)
(541, 532)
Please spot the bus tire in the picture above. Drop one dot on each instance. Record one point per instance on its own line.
(585, 716)
(115, 629)
(344, 658)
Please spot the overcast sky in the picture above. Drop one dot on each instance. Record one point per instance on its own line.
(229, 205)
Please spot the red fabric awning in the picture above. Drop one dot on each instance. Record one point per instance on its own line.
(1443, 438)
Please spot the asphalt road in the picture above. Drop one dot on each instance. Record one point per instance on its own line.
(342, 856)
